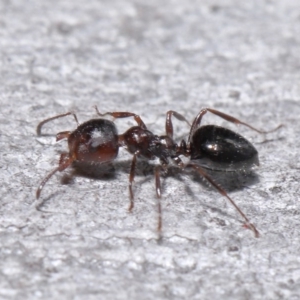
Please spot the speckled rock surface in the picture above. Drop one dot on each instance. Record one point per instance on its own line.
(79, 241)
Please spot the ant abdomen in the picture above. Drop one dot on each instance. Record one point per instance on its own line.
(219, 148)
(94, 141)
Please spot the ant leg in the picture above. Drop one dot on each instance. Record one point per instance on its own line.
(158, 194)
(64, 162)
(223, 193)
(131, 179)
(169, 124)
(40, 125)
(118, 115)
(226, 117)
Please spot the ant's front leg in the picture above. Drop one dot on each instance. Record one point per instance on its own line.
(118, 115)
(64, 162)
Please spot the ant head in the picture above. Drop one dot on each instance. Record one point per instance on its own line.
(94, 141)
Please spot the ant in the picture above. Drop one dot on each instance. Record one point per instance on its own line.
(208, 147)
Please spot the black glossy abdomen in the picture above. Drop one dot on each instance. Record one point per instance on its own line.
(219, 148)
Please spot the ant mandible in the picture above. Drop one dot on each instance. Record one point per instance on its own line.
(208, 147)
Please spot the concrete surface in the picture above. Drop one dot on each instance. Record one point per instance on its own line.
(79, 241)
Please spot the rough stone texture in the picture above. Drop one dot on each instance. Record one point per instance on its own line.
(79, 241)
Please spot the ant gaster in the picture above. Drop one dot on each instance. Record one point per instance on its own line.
(208, 147)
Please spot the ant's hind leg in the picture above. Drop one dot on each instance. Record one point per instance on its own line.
(41, 124)
(223, 193)
(118, 115)
(226, 117)
(169, 123)
(236, 121)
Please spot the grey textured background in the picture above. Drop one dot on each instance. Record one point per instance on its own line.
(79, 241)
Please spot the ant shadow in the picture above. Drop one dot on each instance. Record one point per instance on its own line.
(108, 171)
(229, 180)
